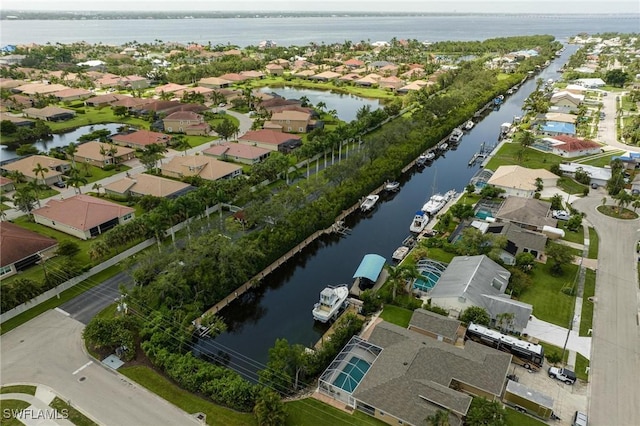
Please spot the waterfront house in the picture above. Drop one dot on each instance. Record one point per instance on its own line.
(519, 240)
(140, 139)
(478, 281)
(436, 326)
(556, 128)
(22, 248)
(325, 76)
(96, 154)
(82, 216)
(520, 181)
(49, 113)
(205, 167)
(55, 168)
(527, 213)
(272, 140)
(570, 147)
(104, 100)
(564, 98)
(290, 121)
(144, 184)
(238, 152)
(368, 80)
(393, 83)
(400, 376)
(18, 121)
(187, 122)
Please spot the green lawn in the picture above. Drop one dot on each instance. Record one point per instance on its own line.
(396, 315)
(94, 174)
(593, 243)
(516, 418)
(12, 405)
(570, 186)
(581, 367)
(549, 348)
(586, 318)
(440, 255)
(533, 159)
(75, 416)
(545, 294)
(571, 236)
(95, 116)
(64, 297)
(311, 412)
(601, 161)
(28, 389)
(158, 384)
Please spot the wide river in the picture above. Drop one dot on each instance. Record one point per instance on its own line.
(281, 308)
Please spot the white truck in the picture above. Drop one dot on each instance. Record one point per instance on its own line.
(562, 374)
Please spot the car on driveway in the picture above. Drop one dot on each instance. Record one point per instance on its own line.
(59, 184)
(562, 374)
(560, 214)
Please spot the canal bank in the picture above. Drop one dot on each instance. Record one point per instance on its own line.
(281, 306)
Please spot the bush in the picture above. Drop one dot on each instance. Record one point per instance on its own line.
(109, 167)
(553, 357)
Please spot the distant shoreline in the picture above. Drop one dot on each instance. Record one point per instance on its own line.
(17, 15)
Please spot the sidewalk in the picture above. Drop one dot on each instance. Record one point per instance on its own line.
(556, 335)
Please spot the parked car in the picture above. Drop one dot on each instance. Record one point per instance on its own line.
(560, 214)
(562, 374)
(579, 419)
(594, 186)
(59, 184)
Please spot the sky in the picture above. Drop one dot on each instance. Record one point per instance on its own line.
(473, 6)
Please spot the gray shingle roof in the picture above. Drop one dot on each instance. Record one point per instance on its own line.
(434, 323)
(528, 211)
(412, 377)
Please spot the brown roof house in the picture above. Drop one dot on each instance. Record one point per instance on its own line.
(520, 181)
(55, 168)
(22, 248)
(187, 122)
(72, 94)
(404, 376)
(527, 213)
(237, 152)
(214, 82)
(272, 140)
(144, 184)
(49, 113)
(82, 216)
(290, 121)
(436, 326)
(104, 100)
(199, 165)
(274, 69)
(6, 184)
(140, 139)
(97, 154)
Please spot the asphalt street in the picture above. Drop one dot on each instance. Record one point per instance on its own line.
(615, 353)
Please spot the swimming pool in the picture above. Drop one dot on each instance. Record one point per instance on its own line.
(351, 375)
(483, 214)
(429, 281)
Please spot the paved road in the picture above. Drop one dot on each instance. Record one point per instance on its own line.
(615, 353)
(88, 304)
(48, 350)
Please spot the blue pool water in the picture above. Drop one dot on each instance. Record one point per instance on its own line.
(428, 283)
(483, 214)
(352, 374)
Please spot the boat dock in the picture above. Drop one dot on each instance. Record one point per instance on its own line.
(352, 308)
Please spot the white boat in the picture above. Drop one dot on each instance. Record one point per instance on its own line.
(450, 194)
(435, 204)
(419, 222)
(369, 202)
(469, 125)
(332, 300)
(443, 147)
(392, 186)
(429, 156)
(400, 253)
(456, 135)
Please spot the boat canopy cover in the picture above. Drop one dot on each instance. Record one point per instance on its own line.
(370, 267)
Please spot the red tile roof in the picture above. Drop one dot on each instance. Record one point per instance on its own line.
(19, 243)
(575, 144)
(268, 136)
(82, 212)
(142, 137)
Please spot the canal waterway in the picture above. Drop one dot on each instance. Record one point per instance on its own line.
(60, 139)
(281, 307)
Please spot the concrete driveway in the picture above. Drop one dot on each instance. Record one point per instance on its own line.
(615, 352)
(48, 350)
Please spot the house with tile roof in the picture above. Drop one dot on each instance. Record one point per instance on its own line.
(49, 113)
(140, 139)
(272, 140)
(570, 147)
(237, 152)
(32, 89)
(203, 166)
(187, 122)
(291, 121)
(22, 248)
(55, 168)
(104, 100)
(72, 94)
(92, 153)
(144, 184)
(6, 185)
(82, 216)
(168, 88)
(409, 376)
(564, 98)
(274, 69)
(18, 121)
(131, 103)
(520, 181)
(325, 76)
(214, 82)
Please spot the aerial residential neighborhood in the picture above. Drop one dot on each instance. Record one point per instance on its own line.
(219, 222)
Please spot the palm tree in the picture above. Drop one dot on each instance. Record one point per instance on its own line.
(399, 275)
(76, 180)
(635, 204)
(624, 199)
(71, 150)
(97, 186)
(112, 151)
(103, 152)
(3, 199)
(439, 418)
(39, 170)
(16, 176)
(181, 144)
(25, 199)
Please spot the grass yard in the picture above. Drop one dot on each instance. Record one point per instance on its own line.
(440, 255)
(396, 315)
(64, 297)
(158, 384)
(27, 389)
(12, 405)
(601, 161)
(549, 348)
(581, 367)
(570, 186)
(94, 174)
(593, 244)
(94, 115)
(516, 418)
(571, 236)
(310, 412)
(586, 318)
(545, 294)
(75, 416)
(507, 156)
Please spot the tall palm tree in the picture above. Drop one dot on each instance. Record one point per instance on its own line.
(3, 199)
(39, 170)
(25, 199)
(16, 176)
(97, 186)
(76, 180)
(71, 150)
(400, 274)
(181, 144)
